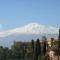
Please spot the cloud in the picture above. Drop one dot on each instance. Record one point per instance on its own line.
(32, 28)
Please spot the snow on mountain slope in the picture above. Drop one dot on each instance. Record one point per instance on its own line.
(32, 28)
(26, 33)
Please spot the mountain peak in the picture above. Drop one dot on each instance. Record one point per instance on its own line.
(32, 28)
(34, 24)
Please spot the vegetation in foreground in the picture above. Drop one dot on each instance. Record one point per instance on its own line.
(34, 50)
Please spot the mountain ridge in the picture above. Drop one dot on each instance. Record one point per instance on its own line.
(27, 33)
(32, 28)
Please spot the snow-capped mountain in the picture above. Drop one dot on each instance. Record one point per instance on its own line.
(27, 32)
(32, 28)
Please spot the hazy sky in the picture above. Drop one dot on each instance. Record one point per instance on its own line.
(15, 13)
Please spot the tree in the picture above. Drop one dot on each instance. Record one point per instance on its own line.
(5, 52)
(37, 49)
(32, 47)
(16, 50)
(1, 53)
(59, 39)
(59, 45)
(44, 44)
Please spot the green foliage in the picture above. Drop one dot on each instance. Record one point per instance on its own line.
(25, 50)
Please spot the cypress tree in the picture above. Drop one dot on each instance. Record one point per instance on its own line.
(44, 44)
(37, 49)
(32, 47)
(59, 39)
(59, 45)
